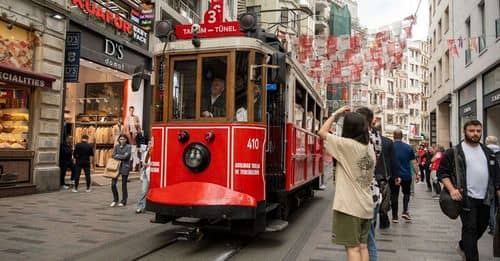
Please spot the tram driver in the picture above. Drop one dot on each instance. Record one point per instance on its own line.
(215, 104)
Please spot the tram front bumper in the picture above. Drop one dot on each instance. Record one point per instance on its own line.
(201, 200)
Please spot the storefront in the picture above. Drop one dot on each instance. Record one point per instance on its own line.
(29, 101)
(467, 103)
(100, 68)
(491, 102)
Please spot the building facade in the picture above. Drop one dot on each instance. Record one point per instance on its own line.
(441, 17)
(477, 68)
(396, 96)
(32, 43)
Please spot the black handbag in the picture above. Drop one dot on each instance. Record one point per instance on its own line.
(451, 208)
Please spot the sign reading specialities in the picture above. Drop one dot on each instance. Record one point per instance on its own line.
(213, 26)
(107, 16)
(25, 78)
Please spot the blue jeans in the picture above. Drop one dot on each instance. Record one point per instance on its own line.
(141, 203)
(372, 246)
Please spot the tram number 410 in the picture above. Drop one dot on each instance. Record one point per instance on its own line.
(253, 144)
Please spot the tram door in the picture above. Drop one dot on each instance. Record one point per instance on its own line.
(275, 150)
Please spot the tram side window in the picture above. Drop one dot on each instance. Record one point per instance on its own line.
(184, 90)
(241, 87)
(213, 87)
(317, 119)
(300, 98)
(310, 113)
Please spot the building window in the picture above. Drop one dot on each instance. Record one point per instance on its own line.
(434, 43)
(446, 65)
(439, 73)
(446, 20)
(390, 119)
(284, 17)
(439, 31)
(482, 37)
(468, 57)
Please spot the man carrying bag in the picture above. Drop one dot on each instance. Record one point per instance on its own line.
(474, 166)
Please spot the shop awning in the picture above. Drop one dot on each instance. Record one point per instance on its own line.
(13, 75)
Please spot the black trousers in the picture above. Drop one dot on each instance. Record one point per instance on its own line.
(64, 167)
(406, 187)
(422, 172)
(124, 189)
(474, 223)
(78, 172)
(428, 177)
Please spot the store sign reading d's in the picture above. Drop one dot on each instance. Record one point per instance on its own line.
(116, 54)
(107, 16)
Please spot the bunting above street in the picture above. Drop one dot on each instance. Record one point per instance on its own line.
(213, 24)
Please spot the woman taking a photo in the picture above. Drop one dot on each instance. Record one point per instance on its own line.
(353, 202)
(121, 152)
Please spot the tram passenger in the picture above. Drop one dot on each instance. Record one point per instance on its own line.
(353, 203)
(215, 104)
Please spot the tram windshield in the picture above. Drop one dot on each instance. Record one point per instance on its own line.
(216, 87)
(213, 93)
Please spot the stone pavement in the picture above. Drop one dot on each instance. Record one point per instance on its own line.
(58, 225)
(430, 237)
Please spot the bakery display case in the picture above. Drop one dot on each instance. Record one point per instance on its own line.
(14, 119)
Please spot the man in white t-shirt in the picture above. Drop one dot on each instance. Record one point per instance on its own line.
(476, 169)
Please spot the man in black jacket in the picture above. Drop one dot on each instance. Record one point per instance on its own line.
(66, 161)
(479, 183)
(83, 154)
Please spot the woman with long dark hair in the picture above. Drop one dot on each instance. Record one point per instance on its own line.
(353, 202)
(121, 152)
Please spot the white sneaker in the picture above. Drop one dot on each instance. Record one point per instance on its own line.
(113, 204)
(74, 190)
(64, 187)
(88, 190)
(120, 204)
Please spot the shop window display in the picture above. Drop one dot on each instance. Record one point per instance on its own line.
(14, 118)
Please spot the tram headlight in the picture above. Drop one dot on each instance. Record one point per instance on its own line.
(196, 157)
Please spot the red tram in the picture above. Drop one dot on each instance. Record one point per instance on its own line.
(237, 144)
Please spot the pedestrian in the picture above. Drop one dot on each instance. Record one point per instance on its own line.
(405, 159)
(427, 168)
(386, 167)
(122, 152)
(145, 171)
(66, 161)
(474, 164)
(422, 161)
(435, 162)
(353, 201)
(492, 144)
(83, 156)
(381, 175)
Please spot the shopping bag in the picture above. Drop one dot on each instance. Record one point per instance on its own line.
(112, 169)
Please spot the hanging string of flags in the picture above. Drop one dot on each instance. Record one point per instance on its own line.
(352, 58)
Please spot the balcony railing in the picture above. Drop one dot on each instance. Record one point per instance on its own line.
(497, 27)
(183, 9)
(468, 57)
